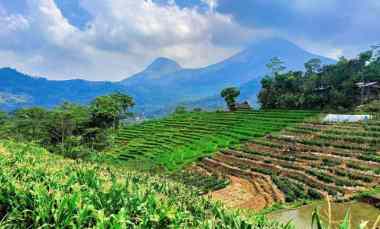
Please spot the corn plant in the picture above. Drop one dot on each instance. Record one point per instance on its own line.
(319, 223)
(41, 190)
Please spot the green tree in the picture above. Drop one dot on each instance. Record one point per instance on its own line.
(276, 66)
(70, 129)
(180, 110)
(65, 122)
(108, 110)
(329, 87)
(30, 124)
(229, 95)
(313, 66)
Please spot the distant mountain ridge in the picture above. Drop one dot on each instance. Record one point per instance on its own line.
(164, 83)
(159, 67)
(38, 91)
(244, 69)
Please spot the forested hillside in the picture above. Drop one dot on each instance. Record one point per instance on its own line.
(341, 86)
(72, 130)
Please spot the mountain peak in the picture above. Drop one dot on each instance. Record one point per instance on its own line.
(163, 65)
(159, 67)
(273, 45)
(8, 70)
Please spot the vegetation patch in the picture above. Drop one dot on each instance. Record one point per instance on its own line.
(41, 190)
(183, 138)
(307, 165)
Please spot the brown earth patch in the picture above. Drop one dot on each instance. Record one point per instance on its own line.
(240, 194)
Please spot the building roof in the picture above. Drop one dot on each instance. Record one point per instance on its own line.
(369, 84)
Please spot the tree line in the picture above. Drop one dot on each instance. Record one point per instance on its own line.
(330, 87)
(70, 129)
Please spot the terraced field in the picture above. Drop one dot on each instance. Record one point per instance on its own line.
(181, 139)
(306, 161)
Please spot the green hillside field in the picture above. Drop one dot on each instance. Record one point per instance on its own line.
(183, 138)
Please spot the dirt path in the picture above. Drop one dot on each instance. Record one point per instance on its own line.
(240, 194)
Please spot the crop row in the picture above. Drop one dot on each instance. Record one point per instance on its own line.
(178, 139)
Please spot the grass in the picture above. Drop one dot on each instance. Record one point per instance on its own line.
(181, 139)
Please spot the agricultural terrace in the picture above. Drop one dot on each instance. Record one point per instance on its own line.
(183, 138)
(305, 161)
(42, 190)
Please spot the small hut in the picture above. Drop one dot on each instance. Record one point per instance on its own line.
(370, 90)
(243, 106)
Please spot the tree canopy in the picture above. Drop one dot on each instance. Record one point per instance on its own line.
(109, 109)
(229, 94)
(68, 129)
(332, 87)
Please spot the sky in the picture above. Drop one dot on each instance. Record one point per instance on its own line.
(113, 39)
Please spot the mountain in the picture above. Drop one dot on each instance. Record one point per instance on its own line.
(20, 90)
(160, 67)
(199, 86)
(163, 84)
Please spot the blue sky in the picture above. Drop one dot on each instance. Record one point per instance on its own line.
(112, 39)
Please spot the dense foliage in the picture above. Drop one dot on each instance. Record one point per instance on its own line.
(229, 94)
(322, 87)
(70, 129)
(41, 190)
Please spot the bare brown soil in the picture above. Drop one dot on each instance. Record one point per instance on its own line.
(242, 194)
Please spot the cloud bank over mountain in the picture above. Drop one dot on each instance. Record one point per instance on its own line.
(120, 38)
(109, 40)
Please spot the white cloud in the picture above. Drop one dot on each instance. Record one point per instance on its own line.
(211, 3)
(50, 23)
(11, 23)
(122, 38)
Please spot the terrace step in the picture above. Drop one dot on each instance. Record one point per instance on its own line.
(286, 172)
(262, 185)
(305, 151)
(326, 143)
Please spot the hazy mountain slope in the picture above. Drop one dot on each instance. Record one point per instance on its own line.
(162, 84)
(20, 90)
(200, 86)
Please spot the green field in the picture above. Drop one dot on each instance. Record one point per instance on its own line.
(183, 138)
(43, 190)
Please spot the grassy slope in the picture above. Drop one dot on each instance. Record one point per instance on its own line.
(38, 189)
(181, 139)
